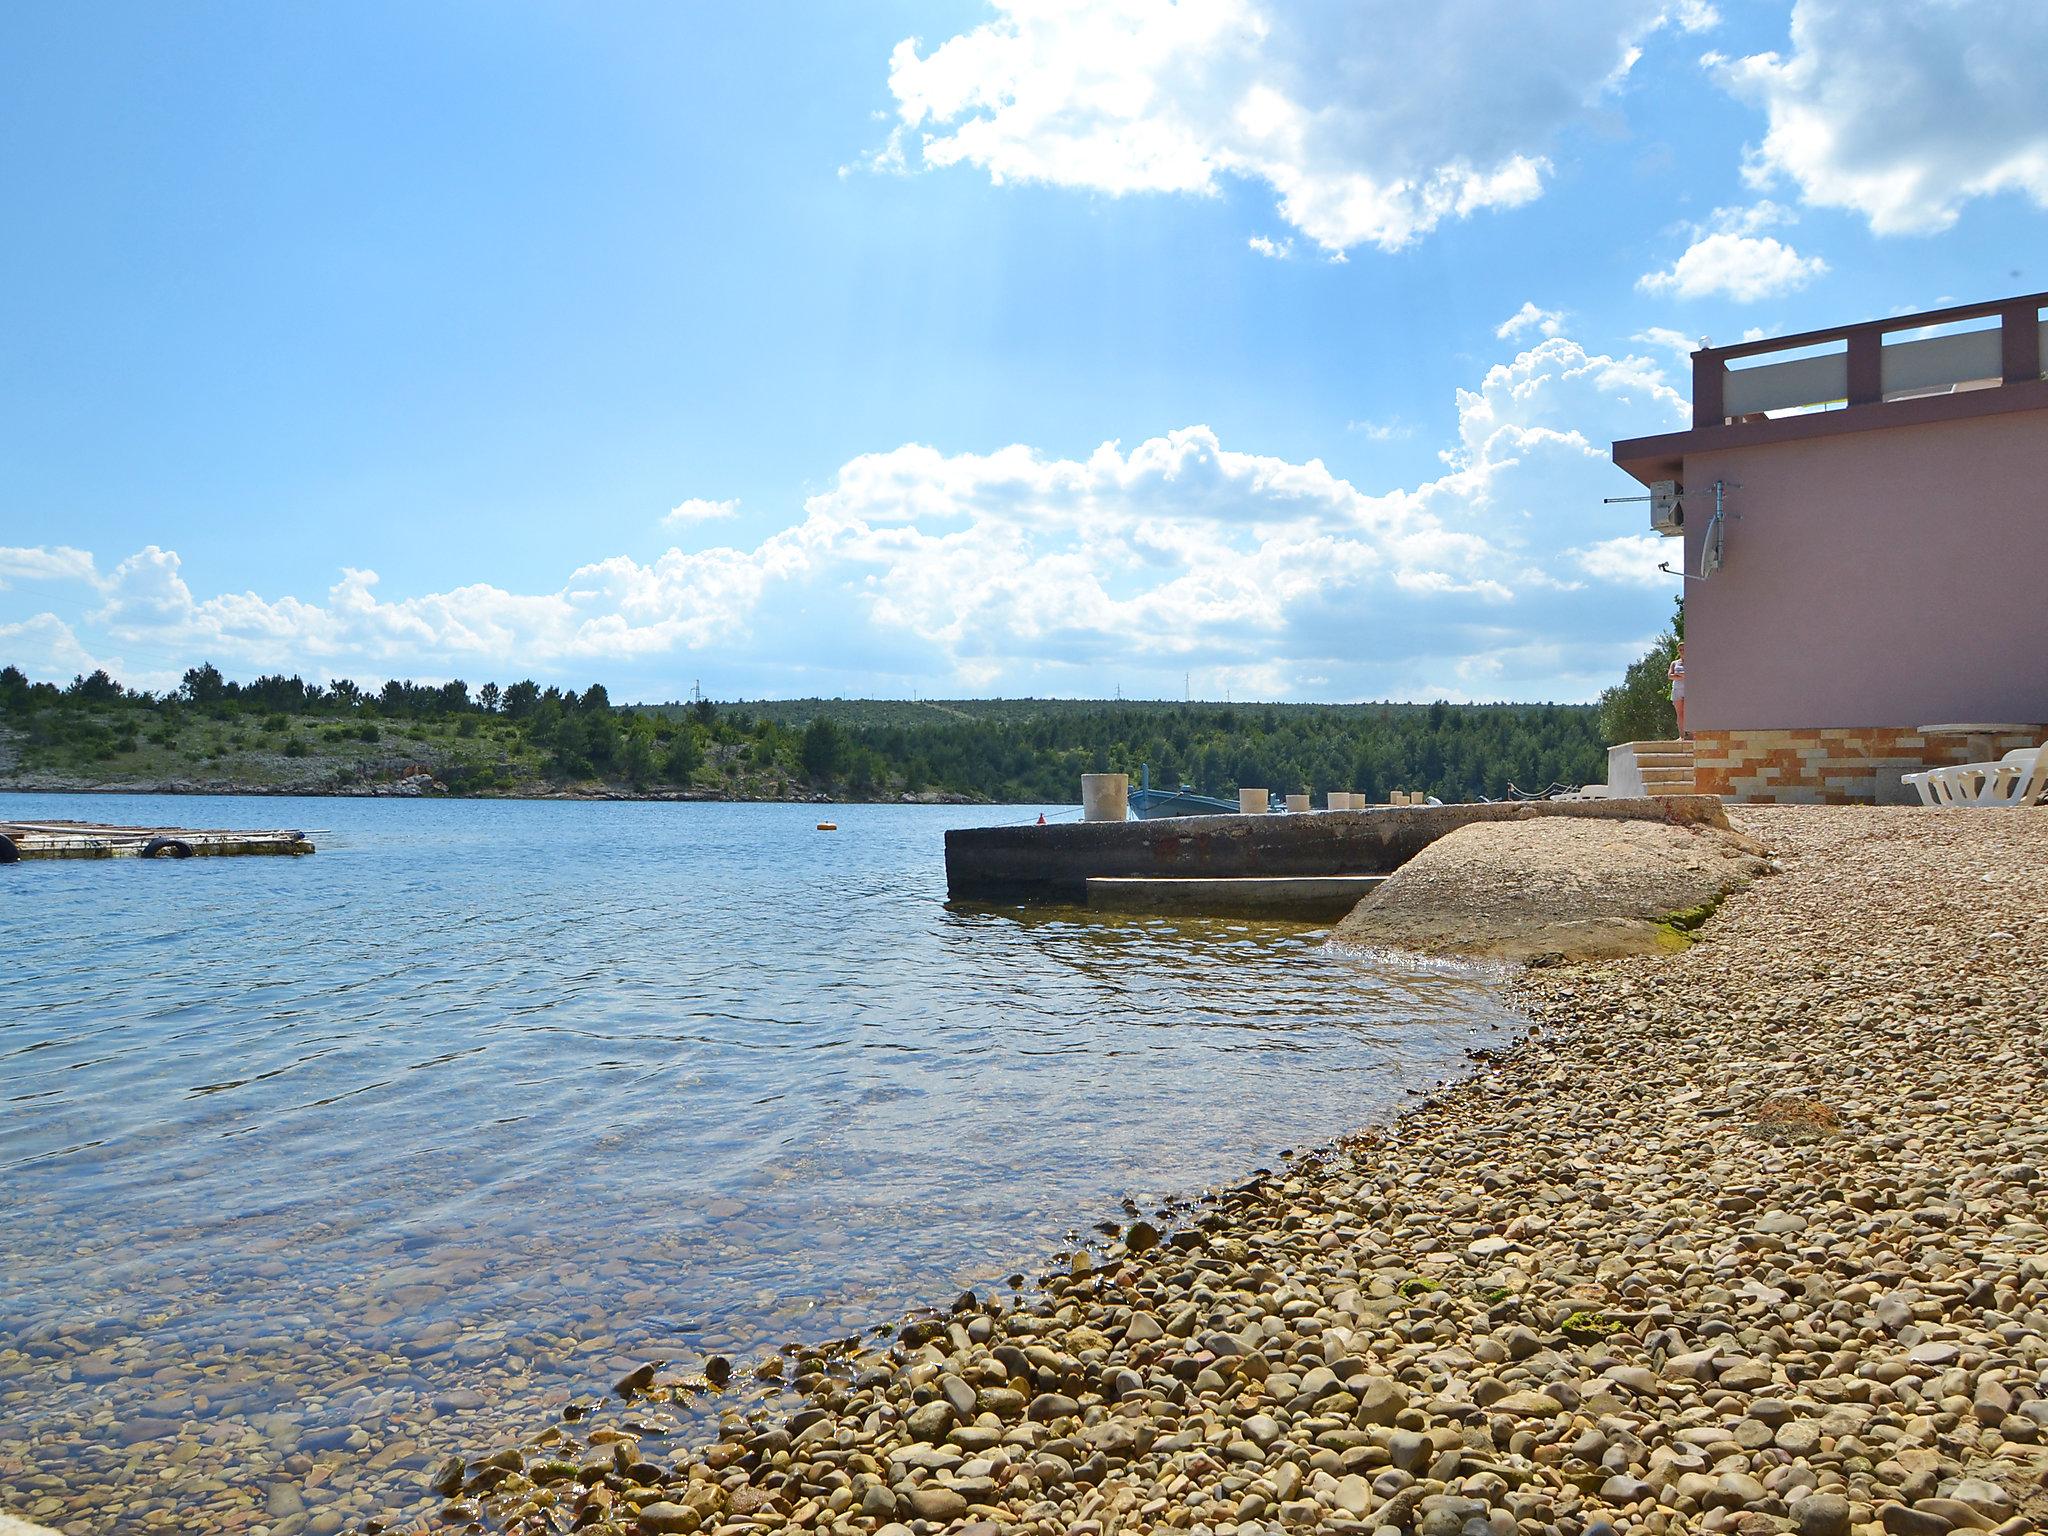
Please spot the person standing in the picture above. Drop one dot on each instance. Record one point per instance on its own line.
(1678, 687)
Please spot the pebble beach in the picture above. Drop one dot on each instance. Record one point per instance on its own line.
(1745, 1238)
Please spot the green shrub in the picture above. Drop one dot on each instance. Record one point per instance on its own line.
(1639, 707)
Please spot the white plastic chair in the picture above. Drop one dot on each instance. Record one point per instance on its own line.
(2018, 778)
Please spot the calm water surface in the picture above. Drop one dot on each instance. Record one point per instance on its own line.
(314, 1170)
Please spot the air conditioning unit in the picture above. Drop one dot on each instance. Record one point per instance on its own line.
(1667, 513)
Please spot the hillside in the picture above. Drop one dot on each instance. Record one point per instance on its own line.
(282, 735)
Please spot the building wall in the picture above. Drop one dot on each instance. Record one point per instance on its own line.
(1820, 766)
(1886, 578)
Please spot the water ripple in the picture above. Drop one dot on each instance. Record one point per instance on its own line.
(507, 1096)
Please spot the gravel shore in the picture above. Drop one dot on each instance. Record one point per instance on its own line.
(1746, 1238)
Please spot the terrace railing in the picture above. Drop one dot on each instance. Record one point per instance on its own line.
(1858, 365)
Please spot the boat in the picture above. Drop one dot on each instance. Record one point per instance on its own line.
(1149, 804)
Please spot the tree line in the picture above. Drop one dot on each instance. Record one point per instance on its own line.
(1453, 751)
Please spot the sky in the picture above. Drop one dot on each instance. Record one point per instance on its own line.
(1212, 348)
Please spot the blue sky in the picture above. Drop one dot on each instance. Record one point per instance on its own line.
(779, 345)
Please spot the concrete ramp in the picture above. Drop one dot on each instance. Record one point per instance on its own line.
(1055, 863)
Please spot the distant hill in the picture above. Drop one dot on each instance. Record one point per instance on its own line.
(283, 734)
(861, 714)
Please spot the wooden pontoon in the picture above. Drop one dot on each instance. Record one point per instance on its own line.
(89, 840)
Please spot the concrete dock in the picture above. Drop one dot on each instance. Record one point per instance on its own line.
(1055, 863)
(90, 840)
(1290, 898)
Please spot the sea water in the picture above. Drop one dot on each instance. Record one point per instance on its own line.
(316, 1170)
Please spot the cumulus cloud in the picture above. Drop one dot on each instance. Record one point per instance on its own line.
(1632, 560)
(1730, 257)
(1902, 113)
(1340, 109)
(1035, 572)
(1546, 322)
(1279, 250)
(698, 510)
(45, 647)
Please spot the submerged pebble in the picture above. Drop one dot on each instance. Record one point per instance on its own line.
(1595, 1288)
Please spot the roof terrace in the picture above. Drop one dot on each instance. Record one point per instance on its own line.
(1908, 370)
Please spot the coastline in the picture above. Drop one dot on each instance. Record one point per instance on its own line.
(396, 791)
(1747, 1237)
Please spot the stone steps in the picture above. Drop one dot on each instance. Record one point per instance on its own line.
(1663, 767)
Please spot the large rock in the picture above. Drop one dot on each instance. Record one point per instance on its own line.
(1510, 891)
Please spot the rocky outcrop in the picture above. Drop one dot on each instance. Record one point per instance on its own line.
(1581, 888)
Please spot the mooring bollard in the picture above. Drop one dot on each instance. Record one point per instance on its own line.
(1105, 797)
(1253, 802)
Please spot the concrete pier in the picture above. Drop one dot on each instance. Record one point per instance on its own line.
(1289, 898)
(1055, 863)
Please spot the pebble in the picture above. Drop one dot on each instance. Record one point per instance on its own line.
(1744, 1238)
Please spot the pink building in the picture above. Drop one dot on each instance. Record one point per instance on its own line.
(1863, 519)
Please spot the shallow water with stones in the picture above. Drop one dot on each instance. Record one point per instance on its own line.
(317, 1170)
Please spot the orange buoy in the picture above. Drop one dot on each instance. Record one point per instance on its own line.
(828, 826)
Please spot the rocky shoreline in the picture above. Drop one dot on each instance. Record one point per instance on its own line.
(426, 786)
(1746, 1238)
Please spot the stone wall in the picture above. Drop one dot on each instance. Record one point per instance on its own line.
(1827, 765)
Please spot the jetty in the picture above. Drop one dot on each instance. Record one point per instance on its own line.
(1231, 864)
(90, 840)
(1297, 898)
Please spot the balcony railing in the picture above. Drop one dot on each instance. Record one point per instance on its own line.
(1855, 365)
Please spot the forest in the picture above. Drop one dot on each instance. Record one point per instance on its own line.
(522, 737)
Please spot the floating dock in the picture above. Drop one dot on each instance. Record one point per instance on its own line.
(89, 840)
(1029, 864)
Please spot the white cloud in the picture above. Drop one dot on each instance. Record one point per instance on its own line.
(1544, 396)
(45, 647)
(1751, 220)
(1372, 122)
(698, 510)
(1632, 560)
(1677, 343)
(1903, 112)
(1381, 431)
(1547, 322)
(1279, 250)
(1031, 572)
(1742, 267)
(58, 562)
